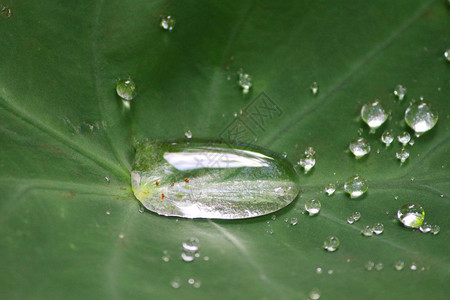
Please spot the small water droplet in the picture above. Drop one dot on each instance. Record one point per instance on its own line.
(310, 151)
(413, 266)
(387, 137)
(294, 221)
(411, 215)
(369, 265)
(188, 134)
(141, 209)
(367, 230)
(356, 186)
(331, 243)
(191, 244)
(314, 294)
(356, 216)
(167, 22)
(206, 258)
(6, 11)
(121, 235)
(435, 229)
(126, 89)
(319, 270)
(330, 189)
(273, 217)
(400, 92)
(187, 256)
(284, 154)
(378, 228)
(350, 220)
(307, 162)
(359, 147)
(108, 212)
(175, 283)
(379, 266)
(447, 54)
(425, 227)
(313, 206)
(107, 179)
(245, 81)
(330, 271)
(404, 138)
(402, 155)
(421, 117)
(374, 114)
(399, 265)
(166, 256)
(314, 88)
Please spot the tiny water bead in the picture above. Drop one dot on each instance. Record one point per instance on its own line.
(310, 151)
(319, 270)
(175, 283)
(6, 11)
(191, 244)
(245, 81)
(421, 117)
(166, 256)
(378, 228)
(356, 186)
(188, 134)
(387, 137)
(354, 217)
(211, 179)
(374, 114)
(294, 221)
(367, 230)
(400, 92)
(447, 54)
(411, 215)
(404, 138)
(330, 189)
(379, 266)
(167, 22)
(126, 89)
(359, 147)
(314, 88)
(313, 207)
(399, 265)
(307, 162)
(425, 227)
(369, 265)
(331, 244)
(435, 229)
(314, 294)
(402, 155)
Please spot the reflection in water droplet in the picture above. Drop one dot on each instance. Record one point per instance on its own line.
(319, 270)
(167, 22)
(330, 189)
(313, 206)
(400, 91)
(314, 88)
(141, 209)
(331, 243)
(359, 147)
(421, 117)
(356, 216)
(187, 256)
(387, 137)
(6, 11)
(126, 89)
(166, 256)
(374, 114)
(356, 186)
(378, 228)
(108, 212)
(402, 155)
(310, 151)
(411, 215)
(404, 138)
(413, 266)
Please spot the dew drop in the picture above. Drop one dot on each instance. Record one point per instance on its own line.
(367, 230)
(330, 272)
(307, 162)
(273, 217)
(319, 270)
(402, 155)
(121, 235)
(107, 179)
(369, 265)
(108, 212)
(435, 229)
(226, 181)
(379, 266)
(421, 117)
(313, 207)
(141, 209)
(6, 11)
(350, 220)
(411, 215)
(126, 89)
(400, 92)
(399, 265)
(413, 266)
(191, 244)
(447, 54)
(187, 256)
(331, 243)
(387, 137)
(175, 283)
(245, 81)
(374, 114)
(356, 186)
(188, 134)
(314, 88)
(404, 138)
(356, 216)
(425, 227)
(330, 189)
(294, 221)
(378, 228)
(167, 22)
(314, 294)
(359, 147)
(166, 256)
(310, 151)
(284, 154)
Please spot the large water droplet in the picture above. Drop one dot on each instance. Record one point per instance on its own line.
(313, 206)
(411, 215)
(331, 243)
(387, 137)
(400, 92)
(126, 89)
(420, 117)
(402, 155)
(374, 114)
(359, 147)
(356, 186)
(168, 22)
(314, 88)
(211, 179)
(404, 138)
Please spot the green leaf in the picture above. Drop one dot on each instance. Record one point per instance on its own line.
(67, 233)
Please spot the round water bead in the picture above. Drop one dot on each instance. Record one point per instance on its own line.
(331, 243)
(314, 88)
(400, 91)
(435, 229)
(245, 81)
(399, 265)
(411, 215)
(356, 186)
(313, 206)
(402, 155)
(356, 216)
(330, 189)
(168, 22)
(425, 227)
(294, 221)
(314, 294)
(359, 147)
(404, 138)
(447, 54)
(374, 114)
(191, 244)
(378, 228)
(420, 117)
(350, 220)
(188, 134)
(367, 231)
(387, 137)
(307, 162)
(126, 89)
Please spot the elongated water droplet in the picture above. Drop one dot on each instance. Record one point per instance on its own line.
(421, 117)
(367, 230)
(399, 265)
(126, 89)
(378, 228)
(447, 54)
(211, 179)
(313, 206)
(411, 215)
(387, 137)
(374, 114)
(404, 138)
(330, 189)
(356, 186)
(307, 162)
(314, 88)
(402, 155)
(331, 243)
(359, 147)
(167, 22)
(400, 92)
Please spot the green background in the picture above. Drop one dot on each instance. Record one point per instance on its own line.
(63, 129)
